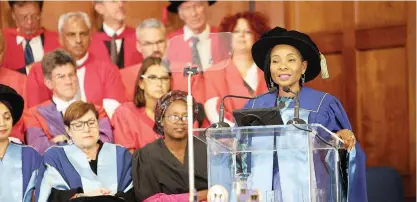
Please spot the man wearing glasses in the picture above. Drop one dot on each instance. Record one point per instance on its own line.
(44, 126)
(28, 42)
(99, 80)
(151, 41)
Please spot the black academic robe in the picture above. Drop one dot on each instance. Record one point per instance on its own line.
(156, 171)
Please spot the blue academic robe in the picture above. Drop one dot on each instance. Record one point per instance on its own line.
(315, 107)
(18, 171)
(67, 168)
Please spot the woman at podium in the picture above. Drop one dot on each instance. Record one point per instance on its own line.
(290, 59)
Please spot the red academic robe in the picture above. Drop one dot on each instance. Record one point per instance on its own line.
(14, 56)
(180, 54)
(132, 127)
(102, 80)
(130, 55)
(16, 81)
(129, 76)
(229, 82)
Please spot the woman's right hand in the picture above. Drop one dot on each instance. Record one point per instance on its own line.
(59, 138)
(202, 195)
(98, 192)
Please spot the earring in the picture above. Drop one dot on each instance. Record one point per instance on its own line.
(303, 78)
(271, 83)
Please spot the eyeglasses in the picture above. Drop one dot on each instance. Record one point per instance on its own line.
(175, 119)
(151, 44)
(154, 79)
(81, 124)
(26, 18)
(62, 77)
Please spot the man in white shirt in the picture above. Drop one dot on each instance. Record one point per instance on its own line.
(151, 41)
(196, 30)
(99, 80)
(28, 42)
(115, 40)
(44, 124)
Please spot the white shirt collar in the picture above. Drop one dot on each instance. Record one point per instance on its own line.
(62, 105)
(82, 60)
(203, 35)
(20, 39)
(252, 77)
(110, 32)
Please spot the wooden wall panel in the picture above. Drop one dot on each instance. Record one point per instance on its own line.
(2, 10)
(219, 10)
(52, 10)
(136, 11)
(383, 107)
(375, 14)
(411, 64)
(315, 16)
(334, 84)
(6, 18)
(274, 10)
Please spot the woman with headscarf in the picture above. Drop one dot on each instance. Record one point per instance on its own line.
(160, 169)
(18, 163)
(289, 59)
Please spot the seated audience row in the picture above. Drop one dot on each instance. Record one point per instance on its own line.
(89, 169)
(29, 41)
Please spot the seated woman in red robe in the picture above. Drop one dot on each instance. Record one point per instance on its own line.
(241, 76)
(133, 121)
(160, 169)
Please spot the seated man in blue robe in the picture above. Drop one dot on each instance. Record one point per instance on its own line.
(289, 59)
(18, 163)
(88, 169)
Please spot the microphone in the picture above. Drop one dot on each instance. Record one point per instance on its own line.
(221, 123)
(296, 119)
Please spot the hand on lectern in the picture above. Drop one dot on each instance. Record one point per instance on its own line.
(348, 137)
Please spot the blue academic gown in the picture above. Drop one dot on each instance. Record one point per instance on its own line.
(18, 172)
(67, 167)
(315, 107)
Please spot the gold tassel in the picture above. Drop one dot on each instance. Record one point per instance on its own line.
(323, 65)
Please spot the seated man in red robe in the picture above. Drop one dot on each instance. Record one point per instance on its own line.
(115, 40)
(16, 81)
(99, 80)
(197, 45)
(28, 42)
(151, 41)
(44, 124)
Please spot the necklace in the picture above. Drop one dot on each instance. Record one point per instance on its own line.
(283, 102)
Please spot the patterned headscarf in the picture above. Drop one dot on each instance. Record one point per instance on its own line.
(162, 105)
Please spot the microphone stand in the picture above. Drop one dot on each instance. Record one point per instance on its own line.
(221, 123)
(189, 72)
(296, 119)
